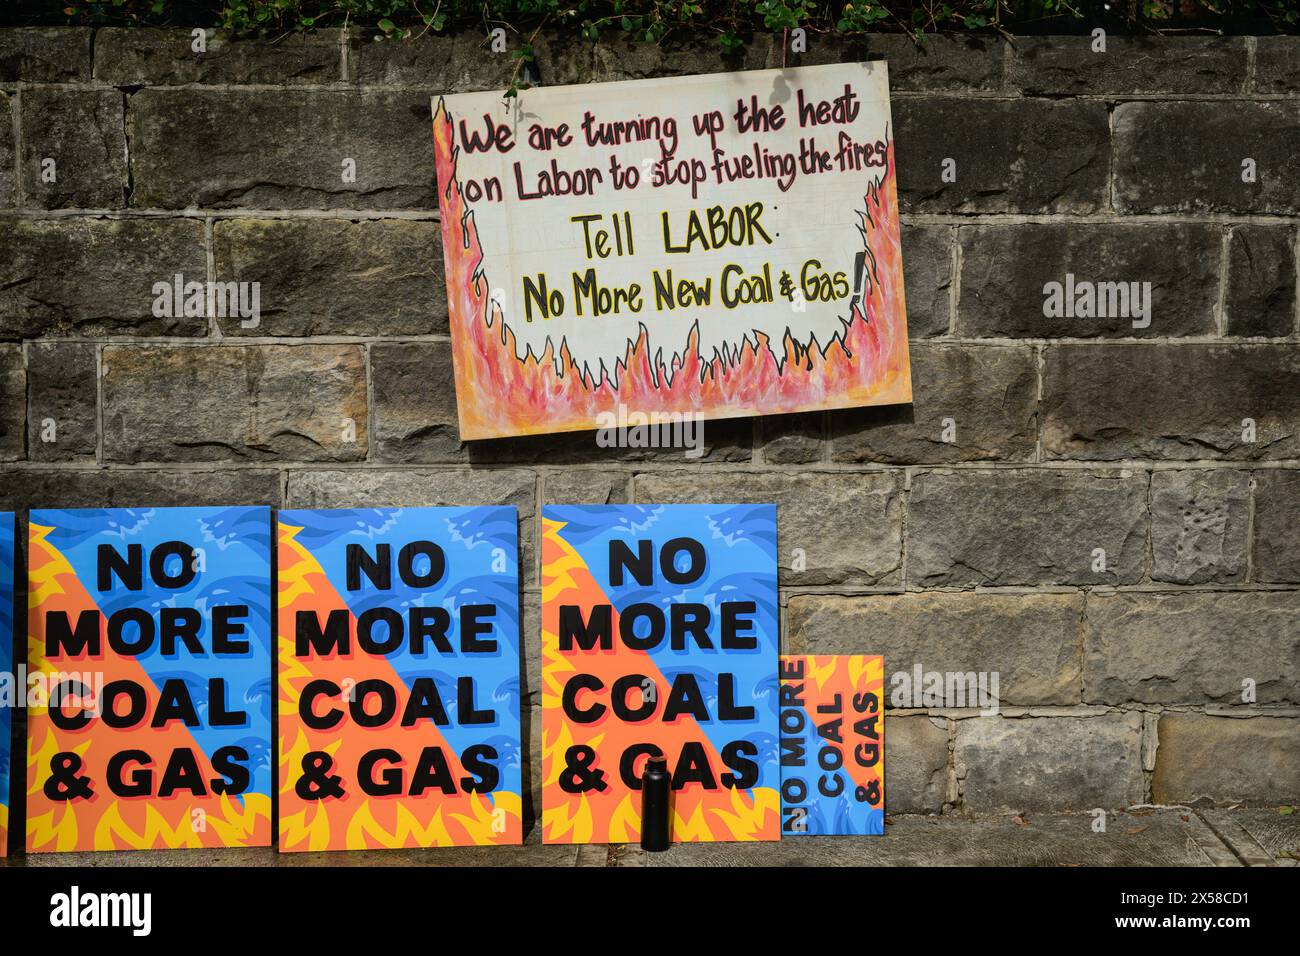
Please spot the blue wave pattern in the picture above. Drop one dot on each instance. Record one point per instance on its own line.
(481, 545)
(235, 570)
(7, 570)
(740, 545)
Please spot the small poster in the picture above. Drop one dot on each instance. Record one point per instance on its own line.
(150, 647)
(399, 678)
(832, 745)
(711, 246)
(12, 691)
(659, 637)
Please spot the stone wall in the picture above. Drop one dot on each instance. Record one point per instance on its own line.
(1173, 448)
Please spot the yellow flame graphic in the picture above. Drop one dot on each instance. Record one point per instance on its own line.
(745, 821)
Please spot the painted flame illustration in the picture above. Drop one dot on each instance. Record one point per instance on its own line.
(498, 394)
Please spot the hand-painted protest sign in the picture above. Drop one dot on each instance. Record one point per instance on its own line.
(718, 245)
(659, 636)
(151, 631)
(832, 745)
(399, 678)
(12, 691)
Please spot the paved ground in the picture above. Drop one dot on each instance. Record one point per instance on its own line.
(1260, 837)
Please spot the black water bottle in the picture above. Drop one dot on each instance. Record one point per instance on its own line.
(656, 787)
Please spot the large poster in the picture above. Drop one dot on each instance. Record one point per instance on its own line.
(659, 636)
(12, 691)
(150, 635)
(832, 745)
(399, 678)
(720, 245)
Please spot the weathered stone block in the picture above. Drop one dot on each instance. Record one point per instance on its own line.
(1025, 528)
(566, 60)
(927, 279)
(1012, 156)
(1260, 298)
(1277, 64)
(585, 487)
(373, 488)
(1006, 269)
(798, 439)
(82, 132)
(934, 64)
(1253, 760)
(415, 402)
(62, 401)
(132, 56)
(335, 277)
(916, 764)
(95, 276)
(1192, 648)
(1165, 64)
(235, 403)
(211, 149)
(835, 528)
(45, 55)
(1180, 402)
(450, 64)
(8, 184)
(13, 402)
(1198, 526)
(1021, 763)
(1033, 641)
(1277, 527)
(969, 403)
(29, 488)
(1187, 157)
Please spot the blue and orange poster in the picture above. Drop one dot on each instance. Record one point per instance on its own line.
(399, 685)
(150, 639)
(832, 745)
(659, 636)
(13, 696)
